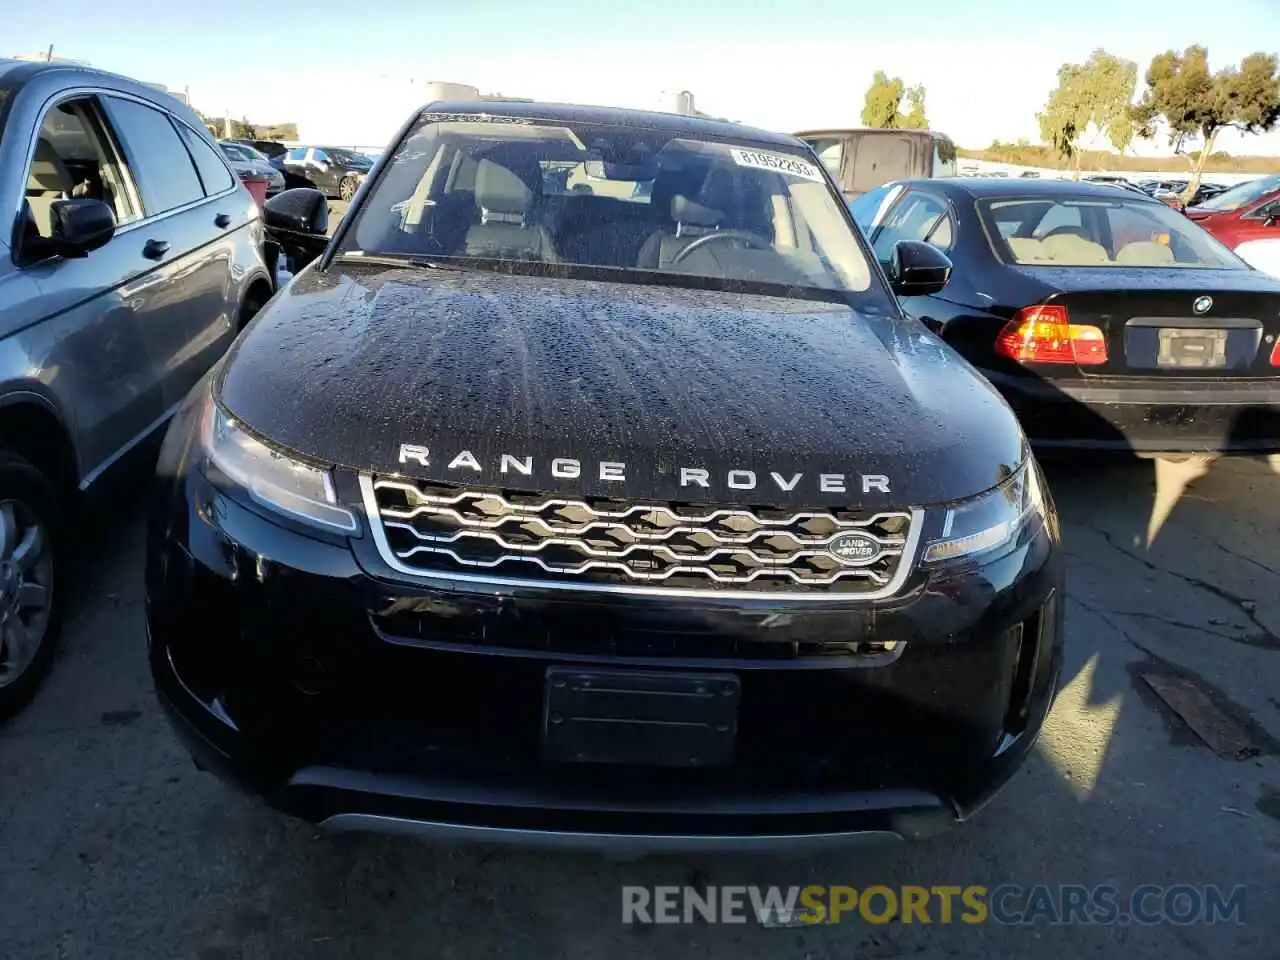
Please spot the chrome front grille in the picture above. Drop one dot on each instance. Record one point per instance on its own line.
(443, 529)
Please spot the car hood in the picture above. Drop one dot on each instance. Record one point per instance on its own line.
(767, 395)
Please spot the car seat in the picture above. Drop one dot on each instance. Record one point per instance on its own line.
(49, 181)
(1072, 249)
(692, 220)
(504, 231)
(1145, 253)
(717, 200)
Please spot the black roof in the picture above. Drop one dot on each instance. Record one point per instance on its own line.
(1019, 188)
(651, 119)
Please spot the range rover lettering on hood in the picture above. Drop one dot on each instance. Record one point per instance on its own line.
(617, 390)
(465, 463)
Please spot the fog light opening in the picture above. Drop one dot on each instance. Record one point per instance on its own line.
(313, 676)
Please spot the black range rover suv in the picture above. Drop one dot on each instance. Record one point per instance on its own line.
(591, 489)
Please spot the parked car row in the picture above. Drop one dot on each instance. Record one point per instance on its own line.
(249, 163)
(335, 171)
(589, 438)
(1247, 219)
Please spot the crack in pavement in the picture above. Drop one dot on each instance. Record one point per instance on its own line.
(1264, 641)
(1265, 638)
(1240, 556)
(1105, 617)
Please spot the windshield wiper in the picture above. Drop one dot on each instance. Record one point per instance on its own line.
(393, 260)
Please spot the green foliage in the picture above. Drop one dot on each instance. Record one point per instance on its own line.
(1194, 103)
(1097, 94)
(243, 129)
(882, 106)
(915, 118)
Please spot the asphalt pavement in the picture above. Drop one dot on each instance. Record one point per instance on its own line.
(112, 845)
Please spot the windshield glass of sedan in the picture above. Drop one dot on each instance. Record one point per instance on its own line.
(345, 158)
(1242, 194)
(235, 151)
(609, 196)
(1102, 233)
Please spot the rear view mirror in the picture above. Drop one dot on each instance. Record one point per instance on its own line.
(80, 226)
(298, 220)
(636, 163)
(918, 269)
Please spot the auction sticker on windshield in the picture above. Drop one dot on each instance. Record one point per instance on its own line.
(777, 162)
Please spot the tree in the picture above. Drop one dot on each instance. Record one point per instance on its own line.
(1194, 103)
(1095, 94)
(882, 106)
(915, 118)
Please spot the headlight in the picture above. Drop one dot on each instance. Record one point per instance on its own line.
(992, 519)
(281, 483)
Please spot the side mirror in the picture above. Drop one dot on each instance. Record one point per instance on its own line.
(301, 210)
(298, 220)
(80, 226)
(918, 269)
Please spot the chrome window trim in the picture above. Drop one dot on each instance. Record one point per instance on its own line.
(135, 196)
(906, 565)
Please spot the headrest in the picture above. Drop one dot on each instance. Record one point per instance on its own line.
(500, 191)
(684, 210)
(48, 172)
(1068, 248)
(1145, 253)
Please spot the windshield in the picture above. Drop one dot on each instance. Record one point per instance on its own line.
(347, 158)
(609, 196)
(1102, 233)
(1242, 194)
(241, 153)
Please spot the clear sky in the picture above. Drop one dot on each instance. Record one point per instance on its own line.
(346, 69)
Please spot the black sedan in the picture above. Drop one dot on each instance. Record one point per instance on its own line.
(333, 171)
(1107, 320)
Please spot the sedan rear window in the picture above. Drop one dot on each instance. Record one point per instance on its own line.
(1038, 231)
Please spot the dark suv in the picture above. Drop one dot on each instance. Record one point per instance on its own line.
(130, 257)
(546, 508)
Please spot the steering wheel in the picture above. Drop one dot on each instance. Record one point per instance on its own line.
(752, 240)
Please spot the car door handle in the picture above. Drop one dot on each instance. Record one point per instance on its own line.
(155, 249)
(222, 221)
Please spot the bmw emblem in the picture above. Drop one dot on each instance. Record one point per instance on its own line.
(855, 549)
(1202, 305)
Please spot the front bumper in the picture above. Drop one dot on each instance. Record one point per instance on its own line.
(300, 670)
(1129, 414)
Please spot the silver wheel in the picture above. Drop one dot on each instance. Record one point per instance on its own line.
(26, 588)
(347, 188)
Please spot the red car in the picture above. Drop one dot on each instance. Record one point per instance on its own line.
(1247, 219)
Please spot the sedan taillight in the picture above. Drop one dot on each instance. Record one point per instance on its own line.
(1275, 353)
(1044, 334)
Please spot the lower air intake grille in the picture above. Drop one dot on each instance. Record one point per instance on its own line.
(435, 529)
